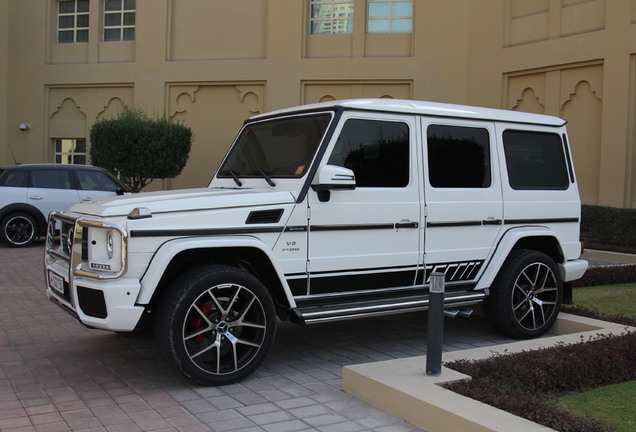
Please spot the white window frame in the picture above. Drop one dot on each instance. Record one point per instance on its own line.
(390, 18)
(119, 18)
(332, 17)
(66, 152)
(80, 19)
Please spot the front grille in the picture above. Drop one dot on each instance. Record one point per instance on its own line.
(92, 302)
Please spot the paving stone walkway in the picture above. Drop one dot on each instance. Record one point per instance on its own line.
(56, 375)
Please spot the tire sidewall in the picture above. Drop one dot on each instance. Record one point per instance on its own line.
(499, 305)
(175, 305)
(8, 218)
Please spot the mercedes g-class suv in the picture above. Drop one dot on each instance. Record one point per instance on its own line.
(325, 212)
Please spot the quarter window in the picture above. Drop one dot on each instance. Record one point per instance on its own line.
(535, 160)
(390, 16)
(119, 20)
(70, 151)
(330, 16)
(458, 157)
(376, 151)
(72, 21)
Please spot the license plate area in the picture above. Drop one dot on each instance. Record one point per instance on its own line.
(58, 285)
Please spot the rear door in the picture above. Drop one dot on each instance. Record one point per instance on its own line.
(463, 197)
(51, 190)
(368, 239)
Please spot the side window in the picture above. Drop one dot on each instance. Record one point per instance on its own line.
(376, 151)
(535, 160)
(15, 179)
(90, 180)
(51, 179)
(458, 157)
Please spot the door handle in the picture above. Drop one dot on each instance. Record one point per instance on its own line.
(406, 224)
(35, 197)
(87, 199)
(491, 221)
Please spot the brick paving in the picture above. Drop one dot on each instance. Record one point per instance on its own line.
(56, 375)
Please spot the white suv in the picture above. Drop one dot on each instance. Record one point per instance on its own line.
(29, 192)
(326, 212)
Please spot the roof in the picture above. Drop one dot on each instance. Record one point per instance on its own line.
(433, 109)
(41, 166)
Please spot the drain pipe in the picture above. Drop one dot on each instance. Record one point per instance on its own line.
(435, 325)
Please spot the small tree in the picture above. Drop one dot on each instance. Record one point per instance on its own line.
(140, 148)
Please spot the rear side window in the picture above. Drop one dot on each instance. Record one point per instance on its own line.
(93, 180)
(458, 157)
(52, 179)
(14, 179)
(535, 160)
(376, 151)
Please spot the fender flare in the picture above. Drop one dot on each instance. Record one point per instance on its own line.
(505, 245)
(164, 255)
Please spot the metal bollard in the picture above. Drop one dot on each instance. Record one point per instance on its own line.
(435, 325)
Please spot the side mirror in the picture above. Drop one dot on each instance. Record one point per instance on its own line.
(331, 177)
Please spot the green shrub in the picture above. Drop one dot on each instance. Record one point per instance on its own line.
(140, 148)
(608, 228)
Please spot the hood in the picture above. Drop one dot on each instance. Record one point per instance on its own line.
(183, 200)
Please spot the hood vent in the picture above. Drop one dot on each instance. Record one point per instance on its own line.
(264, 216)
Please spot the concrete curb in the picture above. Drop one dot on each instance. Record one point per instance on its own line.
(402, 388)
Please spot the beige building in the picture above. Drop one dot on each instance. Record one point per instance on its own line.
(212, 63)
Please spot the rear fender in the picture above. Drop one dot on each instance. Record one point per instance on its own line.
(508, 242)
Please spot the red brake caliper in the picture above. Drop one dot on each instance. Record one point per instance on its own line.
(196, 322)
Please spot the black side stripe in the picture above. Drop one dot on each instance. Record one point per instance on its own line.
(499, 222)
(203, 232)
(539, 221)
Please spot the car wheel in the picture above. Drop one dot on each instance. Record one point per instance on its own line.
(18, 229)
(526, 297)
(215, 324)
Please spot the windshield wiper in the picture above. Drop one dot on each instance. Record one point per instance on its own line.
(238, 182)
(267, 179)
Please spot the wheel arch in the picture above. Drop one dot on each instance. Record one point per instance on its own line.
(40, 219)
(539, 239)
(178, 256)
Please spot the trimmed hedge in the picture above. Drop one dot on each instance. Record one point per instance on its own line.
(607, 275)
(608, 228)
(524, 383)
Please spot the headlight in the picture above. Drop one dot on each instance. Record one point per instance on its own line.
(104, 250)
(109, 245)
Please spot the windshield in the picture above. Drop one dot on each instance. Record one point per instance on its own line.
(280, 148)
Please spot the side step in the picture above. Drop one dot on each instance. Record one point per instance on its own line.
(361, 309)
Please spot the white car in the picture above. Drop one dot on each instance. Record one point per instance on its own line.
(29, 192)
(327, 212)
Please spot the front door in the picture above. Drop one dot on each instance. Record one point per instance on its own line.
(368, 239)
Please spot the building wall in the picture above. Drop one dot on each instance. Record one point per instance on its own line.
(212, 63)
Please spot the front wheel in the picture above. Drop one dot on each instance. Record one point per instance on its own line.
(526, 297)
(18, 229)
(216, 324)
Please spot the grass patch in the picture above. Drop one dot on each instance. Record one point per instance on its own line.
(608, 299)
(612, 404)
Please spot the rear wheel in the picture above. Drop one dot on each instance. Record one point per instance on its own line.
(526, 297)
(216, 324)
(18, 229)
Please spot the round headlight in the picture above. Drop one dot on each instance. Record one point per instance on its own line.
(109, 245)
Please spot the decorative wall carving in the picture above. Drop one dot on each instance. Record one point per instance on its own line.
(573, 92)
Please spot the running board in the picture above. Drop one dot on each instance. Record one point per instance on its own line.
(361, 309)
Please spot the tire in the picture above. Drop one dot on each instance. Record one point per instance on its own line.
(18, 229)
(526, 297)
(215, 324)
